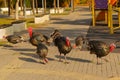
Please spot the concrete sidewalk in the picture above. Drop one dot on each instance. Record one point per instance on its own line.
(21, 62)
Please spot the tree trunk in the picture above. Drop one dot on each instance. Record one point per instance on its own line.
(5, 3)
(16, 9)
(11, 7)
(72, 5)
(55, 6)
(33, 7)
(9, 11)
(44, 6)
(24, 8)
(21, 5)
(42, 3)
(36, 4)
(58, 5)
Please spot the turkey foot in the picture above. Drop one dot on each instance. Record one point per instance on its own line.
(66, 62)
(60, 60)
(99, 63)
(46, 60)
(105, 59)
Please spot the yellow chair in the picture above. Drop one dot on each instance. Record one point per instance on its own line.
(102, 6)
(110, 17)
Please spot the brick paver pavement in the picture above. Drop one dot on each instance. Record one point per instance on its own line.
(21, 62)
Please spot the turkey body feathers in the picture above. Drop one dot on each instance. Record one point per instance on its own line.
(42, 51)
(60, 42)
(38, 37)
(14, 39)
(79, 42)
(98, 48)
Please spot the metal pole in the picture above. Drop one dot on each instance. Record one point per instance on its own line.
(119, 16)
(93, 13)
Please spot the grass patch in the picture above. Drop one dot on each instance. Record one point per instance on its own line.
(67, 13)
(6, 21)
(2, 42)
(67, 9)
(29, 21)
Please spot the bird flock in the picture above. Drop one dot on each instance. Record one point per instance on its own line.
(41, 41)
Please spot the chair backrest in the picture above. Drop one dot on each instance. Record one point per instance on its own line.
(101, 4)
(118, 3)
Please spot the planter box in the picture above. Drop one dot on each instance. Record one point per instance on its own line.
(46, 17)
(53, 11)
(6, 29)
(5, 9)
(19, 26)
(9, 29)
(29, 12)
(42, 19)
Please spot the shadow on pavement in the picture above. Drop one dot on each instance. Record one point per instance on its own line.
(74, 59)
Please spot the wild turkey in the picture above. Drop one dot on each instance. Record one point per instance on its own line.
(100, 48)
(36, 37)
(42, 52)
(62, 43)
(14, 39)
(79, 41)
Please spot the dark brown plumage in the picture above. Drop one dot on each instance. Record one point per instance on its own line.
(39, 40)
(79, 41)
(37, 37)
(42, 52)
(14, 39)
(100, 48)
(62, 43)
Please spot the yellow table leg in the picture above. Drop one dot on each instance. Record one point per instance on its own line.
(93, 13)
(119, 16)
(111, 21)
(106, 16)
